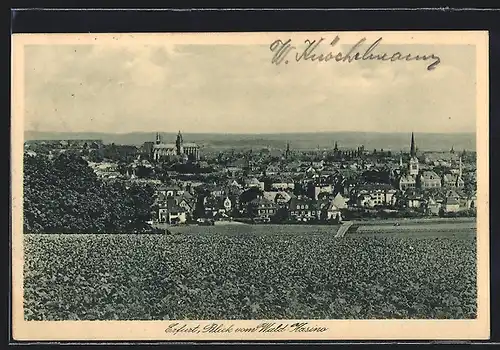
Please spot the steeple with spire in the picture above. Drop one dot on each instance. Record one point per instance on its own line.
(414, 168)
(413, 150)
(158, 138)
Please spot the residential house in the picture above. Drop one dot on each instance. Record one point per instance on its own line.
(333, 212)
(322, 196)
(170, 212)
(217, 206)
(414, 199)
(217, 191)
(454, 178)
(281, 198)
(311, 172)
(272, 169)
(261, 207)
(304, 209)
(293, 166)
(373, 195)
(234, 172)
(183, 200)
(253, 182)
(453, 181)
(235, 184)
(169, 191)
(315, 189)
(187, 202)
(318, 165)
(453, 201)
(428, 179)
(283, 185)
(407, 181)
(451, 205)
(433, 206)
(340, 201)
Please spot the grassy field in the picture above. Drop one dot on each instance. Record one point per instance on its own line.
(257, 230)
(260, 273)
(436, 229)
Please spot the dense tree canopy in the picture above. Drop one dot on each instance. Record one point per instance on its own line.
(63, 194)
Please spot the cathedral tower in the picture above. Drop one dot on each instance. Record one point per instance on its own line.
(178, 144)
(158, 138)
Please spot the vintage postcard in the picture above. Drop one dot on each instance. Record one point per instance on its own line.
(250, 186)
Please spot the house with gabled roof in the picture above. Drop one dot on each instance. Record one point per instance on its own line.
(304, 209)
(170, 212)
(372, 195)
(281, 198)
(340, 201)
(283, 184)
(333, 212)
(261, 207)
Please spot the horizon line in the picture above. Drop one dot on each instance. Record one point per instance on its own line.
(257, 133)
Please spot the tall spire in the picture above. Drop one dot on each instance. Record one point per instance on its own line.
(158, 138)
(413, 151)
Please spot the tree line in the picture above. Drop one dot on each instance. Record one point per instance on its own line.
(64, 195)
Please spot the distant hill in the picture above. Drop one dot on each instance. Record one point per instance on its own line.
(386, 141)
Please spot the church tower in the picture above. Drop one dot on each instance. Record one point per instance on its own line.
(178, 144)
(413, 158)
(459, 181)
(158, 138)
(413, 151)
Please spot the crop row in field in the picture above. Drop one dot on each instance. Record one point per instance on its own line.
(418, 228)
(257, 230)
(143, 277)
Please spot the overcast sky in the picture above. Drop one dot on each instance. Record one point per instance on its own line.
(236, 89)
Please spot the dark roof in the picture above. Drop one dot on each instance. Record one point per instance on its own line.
(261, 201)
(295, 202)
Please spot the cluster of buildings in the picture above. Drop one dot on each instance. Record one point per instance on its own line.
(413, 176)
(294, 186)
(294, 189)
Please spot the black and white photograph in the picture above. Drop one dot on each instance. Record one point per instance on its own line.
(250, 185)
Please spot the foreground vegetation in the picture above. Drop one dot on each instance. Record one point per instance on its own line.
(63, 194)
(144, 277)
